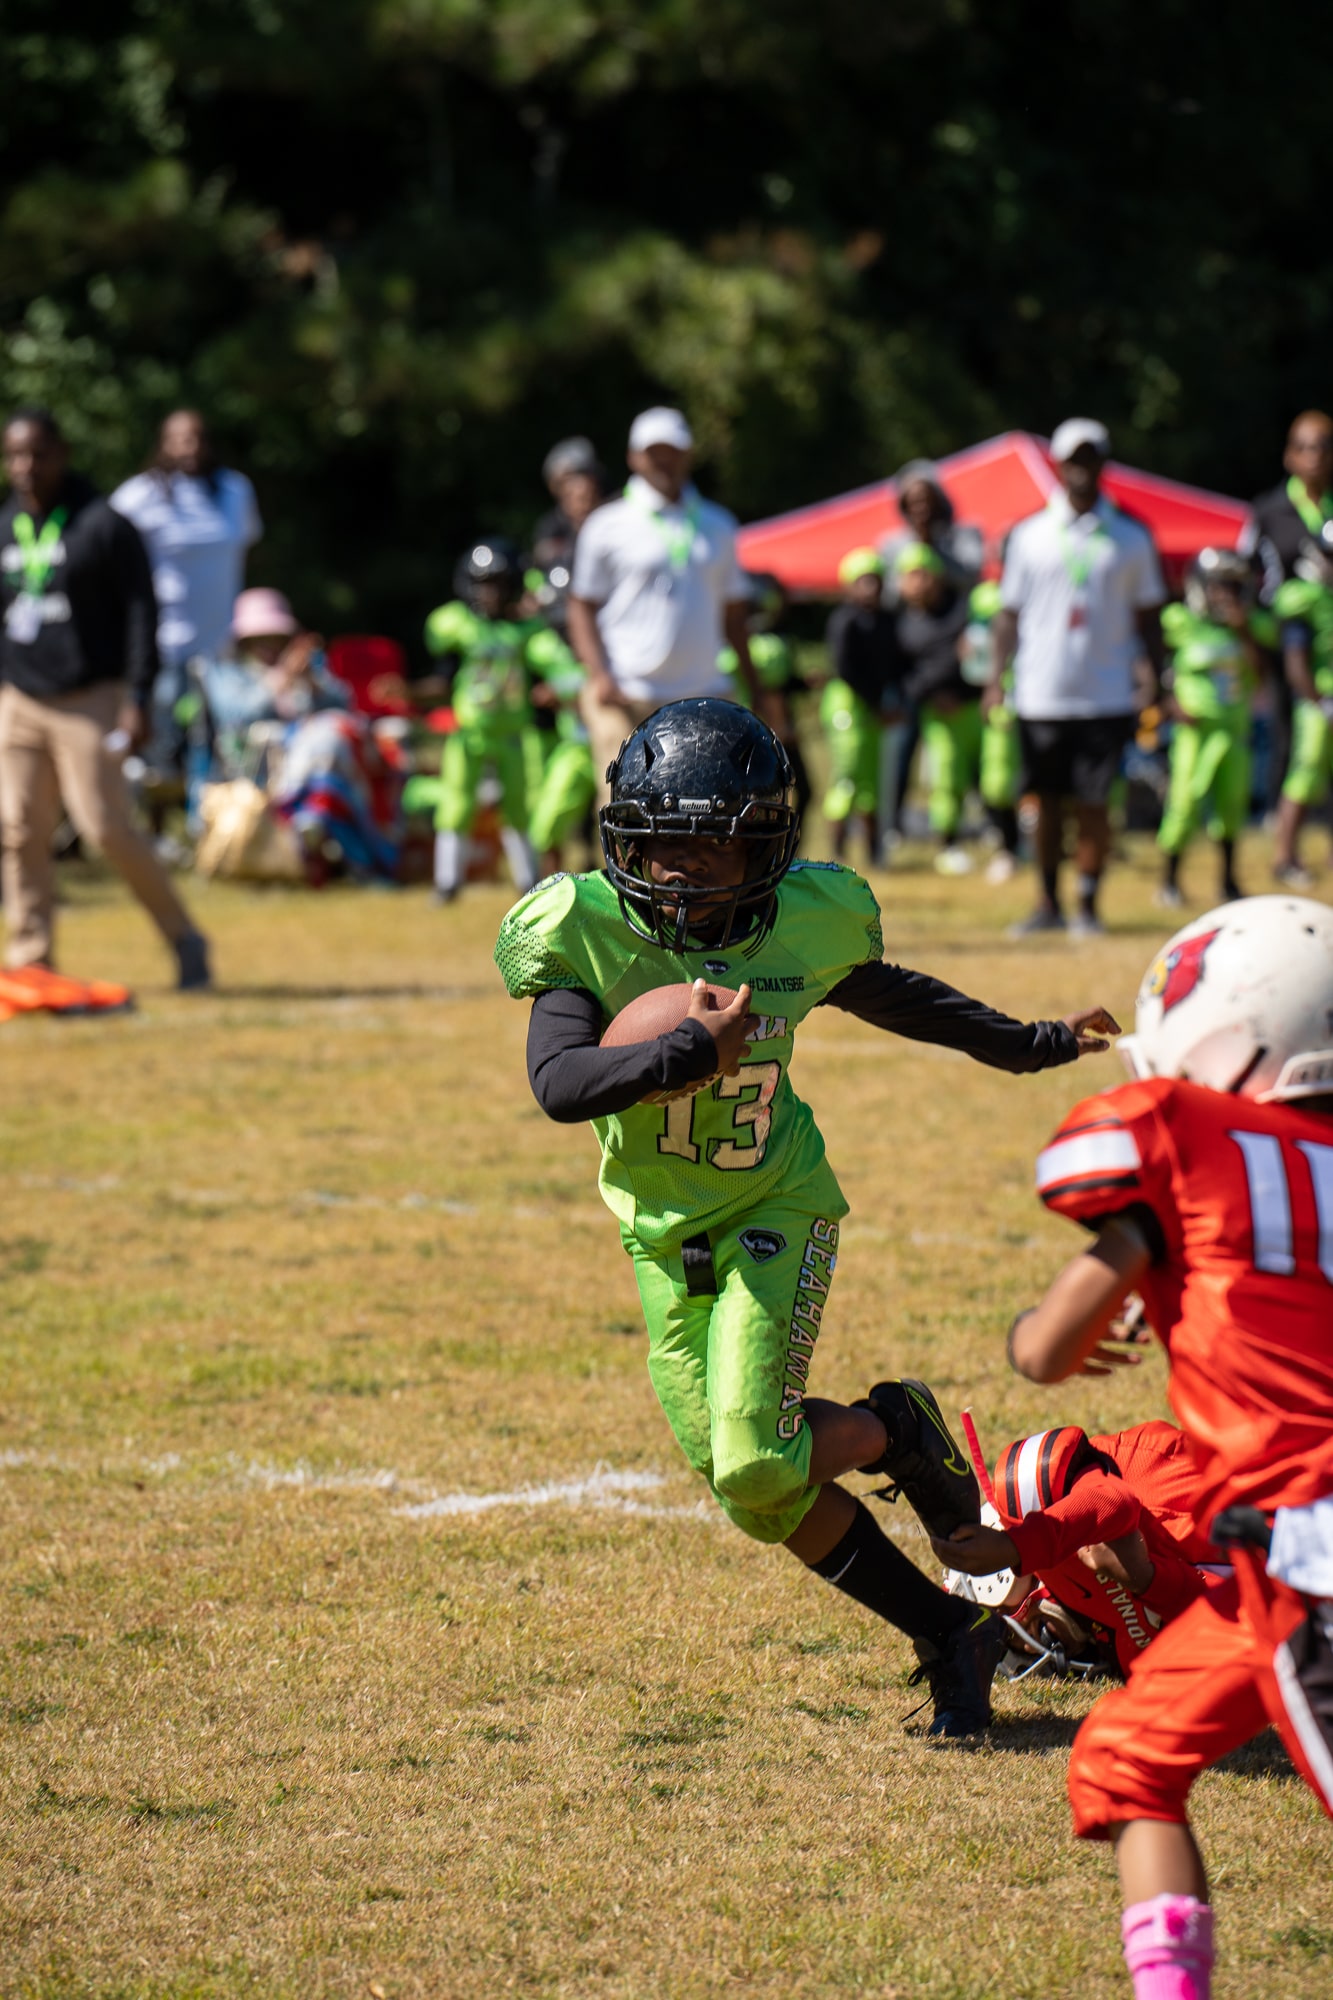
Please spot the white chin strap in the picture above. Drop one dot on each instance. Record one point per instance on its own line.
(1309, 1075)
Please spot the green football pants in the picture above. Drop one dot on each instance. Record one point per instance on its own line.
(567, 789)
(1001, 759)
(1308, 772)
(730, 1364)
(465, 762)
(952, 743)
(853, 733)
(1210, 765)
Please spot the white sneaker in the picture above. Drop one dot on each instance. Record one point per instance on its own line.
(953, 861)
(1001, 868)
(1168, 897)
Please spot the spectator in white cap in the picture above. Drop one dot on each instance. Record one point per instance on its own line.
(1080, 598)
(657, 592)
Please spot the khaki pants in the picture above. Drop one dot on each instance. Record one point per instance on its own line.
(607, 729)
(54, 749)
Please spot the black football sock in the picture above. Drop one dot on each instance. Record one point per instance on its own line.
(867, 1566)
(1005, 821)
(1088, 885)
(1230, 886)
(1050, 883)
(1171, 872)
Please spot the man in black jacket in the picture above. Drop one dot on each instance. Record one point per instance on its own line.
(78, 657)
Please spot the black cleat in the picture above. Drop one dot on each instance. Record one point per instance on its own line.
(923, 1459)
(960, 1674)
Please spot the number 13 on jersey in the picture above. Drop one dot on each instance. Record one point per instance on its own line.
(753, 1088)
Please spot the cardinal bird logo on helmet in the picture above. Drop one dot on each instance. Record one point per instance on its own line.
(1179, 970)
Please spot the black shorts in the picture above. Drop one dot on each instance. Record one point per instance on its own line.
(1075, 758)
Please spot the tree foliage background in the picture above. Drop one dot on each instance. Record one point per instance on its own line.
(395, 247)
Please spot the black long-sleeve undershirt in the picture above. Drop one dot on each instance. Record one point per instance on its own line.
(572, 1078)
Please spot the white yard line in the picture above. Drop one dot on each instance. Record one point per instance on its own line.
(599, 1488)
(603, 1488)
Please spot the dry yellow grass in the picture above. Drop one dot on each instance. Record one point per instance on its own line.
(284, 1263)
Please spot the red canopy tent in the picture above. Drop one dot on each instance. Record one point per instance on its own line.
(991, 485)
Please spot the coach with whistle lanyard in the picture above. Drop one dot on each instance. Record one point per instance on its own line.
(657, 592)
(1080, 601)
(78, 656)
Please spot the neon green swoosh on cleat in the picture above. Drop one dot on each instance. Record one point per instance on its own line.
(952, 1463)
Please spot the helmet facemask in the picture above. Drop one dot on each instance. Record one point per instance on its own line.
(670, 914)
(701, 769)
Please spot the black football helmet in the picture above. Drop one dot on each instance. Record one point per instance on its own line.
(496, 560)
(707, 769)
(1217, 566)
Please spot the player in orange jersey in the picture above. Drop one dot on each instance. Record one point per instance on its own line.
(1103, 1523)
(1208, 1186)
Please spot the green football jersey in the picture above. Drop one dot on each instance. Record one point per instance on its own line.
(672, 1170)
(1213, 676)
(497, 658)
(1311, 605)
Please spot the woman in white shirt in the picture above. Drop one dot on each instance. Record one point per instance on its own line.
(197, 519)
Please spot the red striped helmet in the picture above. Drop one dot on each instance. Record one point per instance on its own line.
(1034, 1472)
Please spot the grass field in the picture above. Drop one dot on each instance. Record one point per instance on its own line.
(298, 1286)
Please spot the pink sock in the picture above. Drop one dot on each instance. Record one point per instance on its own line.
(1169, 1948)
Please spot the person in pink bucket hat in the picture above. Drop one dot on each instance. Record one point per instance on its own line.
(276, 669)
(263, 614)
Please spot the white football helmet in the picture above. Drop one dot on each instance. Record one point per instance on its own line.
(1242, 1000)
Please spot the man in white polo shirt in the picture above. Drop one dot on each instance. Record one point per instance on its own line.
(1080, 596)
(656, 593)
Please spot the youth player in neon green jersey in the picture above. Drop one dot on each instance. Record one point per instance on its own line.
(497, 656)
(725, 1200)
(1216, 640)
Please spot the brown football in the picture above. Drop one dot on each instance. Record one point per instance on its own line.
(658, 1012)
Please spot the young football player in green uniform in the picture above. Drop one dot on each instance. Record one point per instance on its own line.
(775, 667)
(863, 693)
(495, 657)
(715, 1169)
(1001, 760)
(1304, 606)
(1216, 640)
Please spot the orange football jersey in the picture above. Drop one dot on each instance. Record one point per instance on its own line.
(1240, 1203)
(1050, 1517)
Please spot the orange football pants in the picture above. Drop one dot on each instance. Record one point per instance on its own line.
(1212, 1680)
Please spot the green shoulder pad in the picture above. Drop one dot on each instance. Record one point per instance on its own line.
(1177, 625)
(548, 655)
(985, 600)
(529, 950)
(831, 917)
(772, 659)
(451, 628)
(1296, 598)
